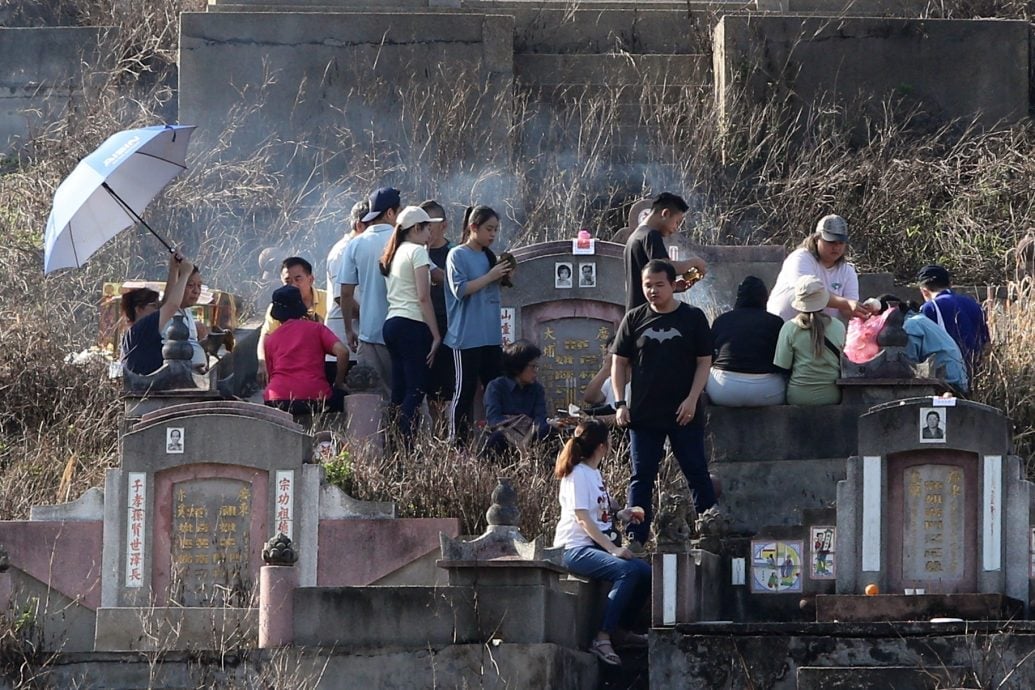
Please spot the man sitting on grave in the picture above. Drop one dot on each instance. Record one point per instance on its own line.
(148, 316)
(295, 358)
(515, 403)
(296, 271)
(960, 315)
(928, 339)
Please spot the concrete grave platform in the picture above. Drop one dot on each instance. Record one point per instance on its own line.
(916, 607)
(498, 667)
(781, 656)
(131, 629)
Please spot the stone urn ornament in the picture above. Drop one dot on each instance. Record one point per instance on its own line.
(504, 510)
(279, 551)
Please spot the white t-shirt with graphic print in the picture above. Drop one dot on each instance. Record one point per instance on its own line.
(583, 489)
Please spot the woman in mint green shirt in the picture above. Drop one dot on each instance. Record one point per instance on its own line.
(809, 347)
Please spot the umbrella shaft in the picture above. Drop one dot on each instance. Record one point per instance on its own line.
(136, 217)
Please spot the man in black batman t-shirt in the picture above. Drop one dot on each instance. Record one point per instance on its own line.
(667, 347)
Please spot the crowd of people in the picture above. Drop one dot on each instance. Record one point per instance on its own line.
(425, 315)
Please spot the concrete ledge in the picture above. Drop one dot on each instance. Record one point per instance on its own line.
(783, 432)
(170, 629)
(502, 666)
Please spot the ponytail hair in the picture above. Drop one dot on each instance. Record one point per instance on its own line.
(479, 215)
(589, 434)
(399, 235)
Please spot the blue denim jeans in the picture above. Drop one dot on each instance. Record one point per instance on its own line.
(647, 448)
(408, 342)
(630, 580)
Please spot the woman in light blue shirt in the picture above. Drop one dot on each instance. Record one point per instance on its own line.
(473, 314)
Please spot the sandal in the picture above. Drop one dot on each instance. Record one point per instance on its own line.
(603, 650)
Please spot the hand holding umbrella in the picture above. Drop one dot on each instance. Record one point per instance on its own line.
(109, 189)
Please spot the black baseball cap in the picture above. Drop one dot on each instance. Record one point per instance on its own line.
(381, 200)
(933, 273)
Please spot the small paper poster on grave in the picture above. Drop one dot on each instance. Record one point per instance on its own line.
(507, 320)
(284, 506)
(136, 524)
(822, 559)
(776, 567)
(1031, 557)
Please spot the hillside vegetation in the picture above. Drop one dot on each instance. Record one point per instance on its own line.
(913, 192)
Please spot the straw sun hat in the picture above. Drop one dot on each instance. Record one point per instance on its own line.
(810, 295)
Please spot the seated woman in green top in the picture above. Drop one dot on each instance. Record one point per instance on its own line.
(809, 346)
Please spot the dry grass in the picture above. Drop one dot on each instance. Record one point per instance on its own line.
(916, 192)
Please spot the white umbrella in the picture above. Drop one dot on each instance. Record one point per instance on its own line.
(109, 189)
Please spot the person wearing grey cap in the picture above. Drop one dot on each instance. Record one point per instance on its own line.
(356, 227)
(822, 254)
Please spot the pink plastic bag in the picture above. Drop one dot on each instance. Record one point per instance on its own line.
(861, 341)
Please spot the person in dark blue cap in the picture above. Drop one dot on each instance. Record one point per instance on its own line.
(960, 315)
(360, 275)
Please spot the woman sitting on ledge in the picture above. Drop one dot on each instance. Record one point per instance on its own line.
(743, 373)
(810, 347)
(587, 533)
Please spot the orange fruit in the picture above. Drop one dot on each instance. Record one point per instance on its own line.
(872, 590)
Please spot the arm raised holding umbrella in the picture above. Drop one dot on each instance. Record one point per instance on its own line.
(142, 348)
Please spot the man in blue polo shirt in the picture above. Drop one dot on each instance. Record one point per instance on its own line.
(359, 267)
(960, 315)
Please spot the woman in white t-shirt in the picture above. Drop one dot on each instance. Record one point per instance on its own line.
(411, 329)
(822, 254)
(586, 531)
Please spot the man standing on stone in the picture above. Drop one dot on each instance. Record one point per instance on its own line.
(442, 379)
(334, 257)
(361, 274)
(666, 345)
(647, 243)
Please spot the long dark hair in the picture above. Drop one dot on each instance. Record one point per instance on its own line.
(399, 236)
(589, 434)
(479, 215)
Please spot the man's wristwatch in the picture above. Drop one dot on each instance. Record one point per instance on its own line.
(619, 404)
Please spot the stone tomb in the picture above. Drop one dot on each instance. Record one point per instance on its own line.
(934, 503)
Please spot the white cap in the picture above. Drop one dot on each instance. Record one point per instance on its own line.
(414, 215)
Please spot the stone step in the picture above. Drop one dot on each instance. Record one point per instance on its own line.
(610, 70)
(879, 677)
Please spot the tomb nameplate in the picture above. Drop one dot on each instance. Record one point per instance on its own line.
(933, 523)
(210, 541)
(573, 349)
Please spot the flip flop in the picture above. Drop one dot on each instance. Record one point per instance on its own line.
(603, 650)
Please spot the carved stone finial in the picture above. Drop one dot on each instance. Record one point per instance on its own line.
(672, 523)
(5, 559)
(363, 378)
(712, 526)
(279, 551)
(176, 346)
(504, 510)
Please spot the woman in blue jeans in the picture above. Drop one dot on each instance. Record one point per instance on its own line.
(586, 531)
(411, 329)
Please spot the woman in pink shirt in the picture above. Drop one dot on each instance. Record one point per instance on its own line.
(295, 359)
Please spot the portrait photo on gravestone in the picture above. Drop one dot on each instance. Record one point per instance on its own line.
(933, 425)
(562, 275)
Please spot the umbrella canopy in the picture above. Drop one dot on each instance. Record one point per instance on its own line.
(109, 189)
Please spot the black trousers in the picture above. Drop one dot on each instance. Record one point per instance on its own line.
(471, 366)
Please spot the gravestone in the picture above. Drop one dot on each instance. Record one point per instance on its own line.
(570, 317)
(193, 502)
(934, 503)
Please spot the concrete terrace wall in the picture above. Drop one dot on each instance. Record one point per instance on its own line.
(43, 73)
(338, 80)
(953, 69)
